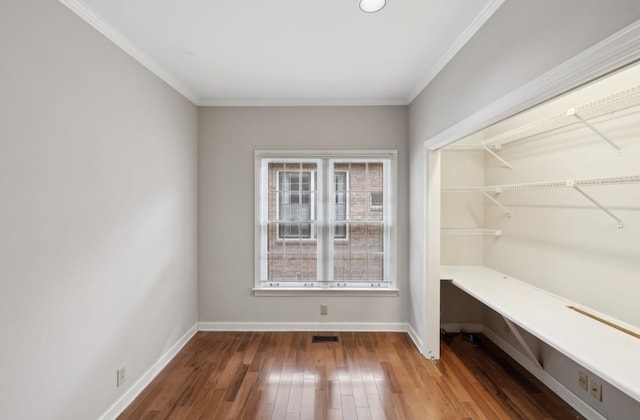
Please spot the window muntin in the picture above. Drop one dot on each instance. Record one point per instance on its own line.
(341, 203)
(295, 196)
(316, 227)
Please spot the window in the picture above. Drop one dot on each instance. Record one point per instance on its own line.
(341, 203)
(294, 203)
(324, 222)
(376, 199)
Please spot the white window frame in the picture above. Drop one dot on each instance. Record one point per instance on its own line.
(325, 231)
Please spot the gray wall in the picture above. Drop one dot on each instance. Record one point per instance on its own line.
(227, 140)
(521, 41)
(97, 218)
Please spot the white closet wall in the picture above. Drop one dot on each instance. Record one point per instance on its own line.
(557, 239)
(461, 215)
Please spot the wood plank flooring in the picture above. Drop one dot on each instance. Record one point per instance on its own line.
(263, 375)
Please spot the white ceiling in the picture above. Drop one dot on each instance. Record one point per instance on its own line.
(290, 52)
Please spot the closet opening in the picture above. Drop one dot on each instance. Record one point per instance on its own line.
(539, 224)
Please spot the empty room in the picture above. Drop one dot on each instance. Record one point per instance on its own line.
(346, 209)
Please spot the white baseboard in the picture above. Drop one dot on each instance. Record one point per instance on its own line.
(568, 396)
(456, 327)
(130, 394)
(415, 338)
(303, 326)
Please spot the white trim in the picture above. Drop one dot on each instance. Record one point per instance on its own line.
(612, 53)
(348, 155)
(330, 291)
(100, 25)
(304, 326)
(432, 199)
(324, 173)
(415, 338)
(544, 377)
(477, 23)
(299, 102)
(130, 394)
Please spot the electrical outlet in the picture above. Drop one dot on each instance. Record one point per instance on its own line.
(583, 381)
(324, 309)
(121, 376)
(596, 390)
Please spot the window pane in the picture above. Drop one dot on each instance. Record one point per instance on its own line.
(295, 195)
(376, 199)
(359, 257)
(340, 186)
(291, 249)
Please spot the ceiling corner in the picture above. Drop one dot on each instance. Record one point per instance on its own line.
(86, 14)
(475, 25)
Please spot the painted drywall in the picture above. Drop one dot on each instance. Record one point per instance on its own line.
(461, 169)
(521, 41)
(227, 140)
(614, 405)
(460, 210)
(98, 217)
(557, 239)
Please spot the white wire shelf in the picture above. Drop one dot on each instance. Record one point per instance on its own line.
(575, 184)
(580, 114)
(568, 183)
(471, 231)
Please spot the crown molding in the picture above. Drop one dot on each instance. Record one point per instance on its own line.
(610, 54)
(80, 9)
(100, 25)
(301, 102)
(457, 45)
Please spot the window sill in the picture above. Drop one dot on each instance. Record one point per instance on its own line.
(317, 291)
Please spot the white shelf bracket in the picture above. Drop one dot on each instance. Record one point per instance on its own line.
(600, 206)
(495, 155)
(572, 112)
(497, 203)
(525, 346)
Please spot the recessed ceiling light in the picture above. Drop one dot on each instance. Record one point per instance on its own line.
(371, 6)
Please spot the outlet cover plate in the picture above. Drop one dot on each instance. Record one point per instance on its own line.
(121, 376)
(583, 381)
(596, 390)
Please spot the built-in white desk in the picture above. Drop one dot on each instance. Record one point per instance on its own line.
(608, 352)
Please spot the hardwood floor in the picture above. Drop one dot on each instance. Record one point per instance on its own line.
(262, 375)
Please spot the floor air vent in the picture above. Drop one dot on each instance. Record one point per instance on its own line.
(324, 339)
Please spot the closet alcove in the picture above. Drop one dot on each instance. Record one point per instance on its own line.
(540, 241)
